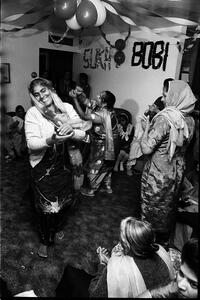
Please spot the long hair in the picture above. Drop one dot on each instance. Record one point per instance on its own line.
(137, 237)
(109, 99)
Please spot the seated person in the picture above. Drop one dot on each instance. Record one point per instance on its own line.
(186, 283)
(187, 222)
(104, 136)
(19, 139)
(136, 264)
(154, 108)
(64, 87)
(126, 131)
(8, 146)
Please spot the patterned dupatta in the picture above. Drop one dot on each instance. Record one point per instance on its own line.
(180, 101)
(124, 279)
(109, 151)
(58, 119)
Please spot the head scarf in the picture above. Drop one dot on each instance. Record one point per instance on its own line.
(124, 279)
(180, 101)
(180, 96)
(58, 119)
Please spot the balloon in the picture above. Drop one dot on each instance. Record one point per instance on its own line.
(101, 12)
(119, 57)
(120, 44)
(86, 14)
(72, 23)
(65, 8)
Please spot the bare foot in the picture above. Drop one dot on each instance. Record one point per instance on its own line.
(103, 255)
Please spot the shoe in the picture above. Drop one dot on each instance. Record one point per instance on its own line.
(87, 192)
(106, 190)
(42, 251)
(59, 235)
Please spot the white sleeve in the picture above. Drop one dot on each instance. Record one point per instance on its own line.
(78, 133)
(71, 111)
(33, 131)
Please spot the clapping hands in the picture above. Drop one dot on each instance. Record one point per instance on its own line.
(103, 255)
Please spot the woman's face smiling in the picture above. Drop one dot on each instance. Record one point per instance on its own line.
(100, 100)
(42, 95)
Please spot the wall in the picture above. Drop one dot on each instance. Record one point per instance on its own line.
(22, 52)
(134, 86)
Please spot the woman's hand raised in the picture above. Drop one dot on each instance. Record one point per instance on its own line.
(61, 138)
(64, 129)
(64, 132)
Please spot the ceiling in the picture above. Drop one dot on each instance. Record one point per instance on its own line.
(148, 13)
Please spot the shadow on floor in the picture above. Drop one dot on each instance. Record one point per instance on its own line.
(94, 223)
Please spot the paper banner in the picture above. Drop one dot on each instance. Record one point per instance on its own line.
(114, 1)
(113, 10)
(17, 16)
(180, 21)
(15, 29)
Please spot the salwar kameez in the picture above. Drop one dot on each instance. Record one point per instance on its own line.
(98, 167)
(162, 177)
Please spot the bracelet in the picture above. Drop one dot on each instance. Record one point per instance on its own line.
(49, 142)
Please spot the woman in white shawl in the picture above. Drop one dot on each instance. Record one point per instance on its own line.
(52, 129)
(136, 263)
(164, 141)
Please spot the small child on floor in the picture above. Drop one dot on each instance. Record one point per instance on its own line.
(126, 130)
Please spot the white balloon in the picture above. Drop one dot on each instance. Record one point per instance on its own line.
(72, 23)
(101, 12)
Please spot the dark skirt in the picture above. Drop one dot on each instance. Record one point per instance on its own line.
(73, 284)
(53, 181)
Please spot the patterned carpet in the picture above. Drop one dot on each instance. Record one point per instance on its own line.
(94, 223)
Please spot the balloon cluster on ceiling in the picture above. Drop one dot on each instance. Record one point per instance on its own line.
(80, 14)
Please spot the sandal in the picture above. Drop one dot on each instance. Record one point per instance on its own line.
(59, 235)
(87, 192)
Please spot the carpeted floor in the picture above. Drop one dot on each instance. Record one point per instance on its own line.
(94, 223)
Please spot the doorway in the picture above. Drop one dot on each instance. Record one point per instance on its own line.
(53, 64)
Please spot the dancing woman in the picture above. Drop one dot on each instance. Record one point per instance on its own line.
(104, 141)
(164, 141)
(52, 128)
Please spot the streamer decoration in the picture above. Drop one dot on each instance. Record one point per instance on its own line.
(120, 45)
(16, 29)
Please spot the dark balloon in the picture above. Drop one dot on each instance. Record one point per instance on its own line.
(120, 44)
(65, 8)
(86, 14)
(34, 75)
(119, 57)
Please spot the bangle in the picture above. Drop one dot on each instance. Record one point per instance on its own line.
(49, 142)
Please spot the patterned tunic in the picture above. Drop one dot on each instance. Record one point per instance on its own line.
(98, 169)
(161, 179)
